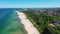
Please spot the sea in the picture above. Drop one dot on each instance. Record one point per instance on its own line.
(10, 22)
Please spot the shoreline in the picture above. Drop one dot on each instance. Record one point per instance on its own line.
(27, 24)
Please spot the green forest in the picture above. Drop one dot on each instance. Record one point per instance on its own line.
(42, 21)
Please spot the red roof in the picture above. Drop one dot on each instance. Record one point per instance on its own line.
(51, 24)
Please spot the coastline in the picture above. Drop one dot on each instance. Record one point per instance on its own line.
(28, 25)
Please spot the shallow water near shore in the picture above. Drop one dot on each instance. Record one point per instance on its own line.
(10, 23)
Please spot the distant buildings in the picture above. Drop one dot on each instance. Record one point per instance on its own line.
(51, 12)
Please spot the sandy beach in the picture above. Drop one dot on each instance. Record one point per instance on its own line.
(28, 25)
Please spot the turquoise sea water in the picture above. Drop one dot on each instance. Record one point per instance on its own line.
(10, 23)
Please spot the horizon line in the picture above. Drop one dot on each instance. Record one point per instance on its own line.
(29, 7)
(42, 7)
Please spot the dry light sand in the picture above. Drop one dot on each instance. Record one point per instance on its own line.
(28, 25)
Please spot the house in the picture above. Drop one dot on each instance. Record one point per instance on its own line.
(51, 24)
(56, 23)
(50, 12)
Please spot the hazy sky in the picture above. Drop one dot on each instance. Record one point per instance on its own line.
(29, 3)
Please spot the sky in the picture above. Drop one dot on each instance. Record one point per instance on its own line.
(29, 3)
